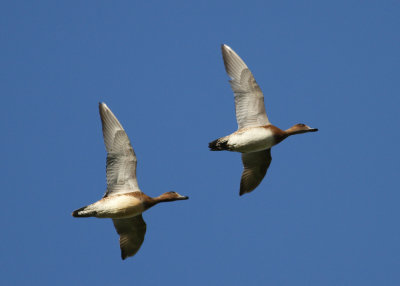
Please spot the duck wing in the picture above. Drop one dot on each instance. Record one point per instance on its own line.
(255, 167)
(249, 99)
(121, 159)
(131, 234)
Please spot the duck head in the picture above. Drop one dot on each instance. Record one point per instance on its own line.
(171, 196)
(300, 128)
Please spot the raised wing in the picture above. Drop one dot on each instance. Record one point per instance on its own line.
(131, 234)
(255, 167)
(121, 159)
(249, 99)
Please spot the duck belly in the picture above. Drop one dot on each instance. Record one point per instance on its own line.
(251, 140)
(119, 206)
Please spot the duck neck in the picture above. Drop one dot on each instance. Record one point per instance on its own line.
(161, 199)
(293, 131)
(278, 134)
(290, 132)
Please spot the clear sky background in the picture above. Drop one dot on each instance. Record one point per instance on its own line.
(326, 214)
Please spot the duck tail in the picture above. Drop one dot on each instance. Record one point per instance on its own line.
(83, 212)
(219, 145)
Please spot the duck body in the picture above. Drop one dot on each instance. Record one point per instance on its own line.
(117, 206)
(251, 139)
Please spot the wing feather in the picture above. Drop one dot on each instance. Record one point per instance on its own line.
(121, 159)
(131, 234)
(255, 166)
(249, 99)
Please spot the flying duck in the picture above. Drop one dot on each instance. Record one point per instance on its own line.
(255, 135)
(123, 201)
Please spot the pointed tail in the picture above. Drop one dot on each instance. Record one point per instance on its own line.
(83, 212)
(219, 145)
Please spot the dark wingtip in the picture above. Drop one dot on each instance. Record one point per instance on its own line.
(100, 107)
(243, 191)
(124, 255)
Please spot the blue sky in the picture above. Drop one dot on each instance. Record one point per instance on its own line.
(326, 214)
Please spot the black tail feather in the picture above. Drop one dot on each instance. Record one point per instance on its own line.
(76, 213)
(218, 145)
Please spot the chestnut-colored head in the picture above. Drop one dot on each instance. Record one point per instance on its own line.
(300, 128)
(171, 196)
